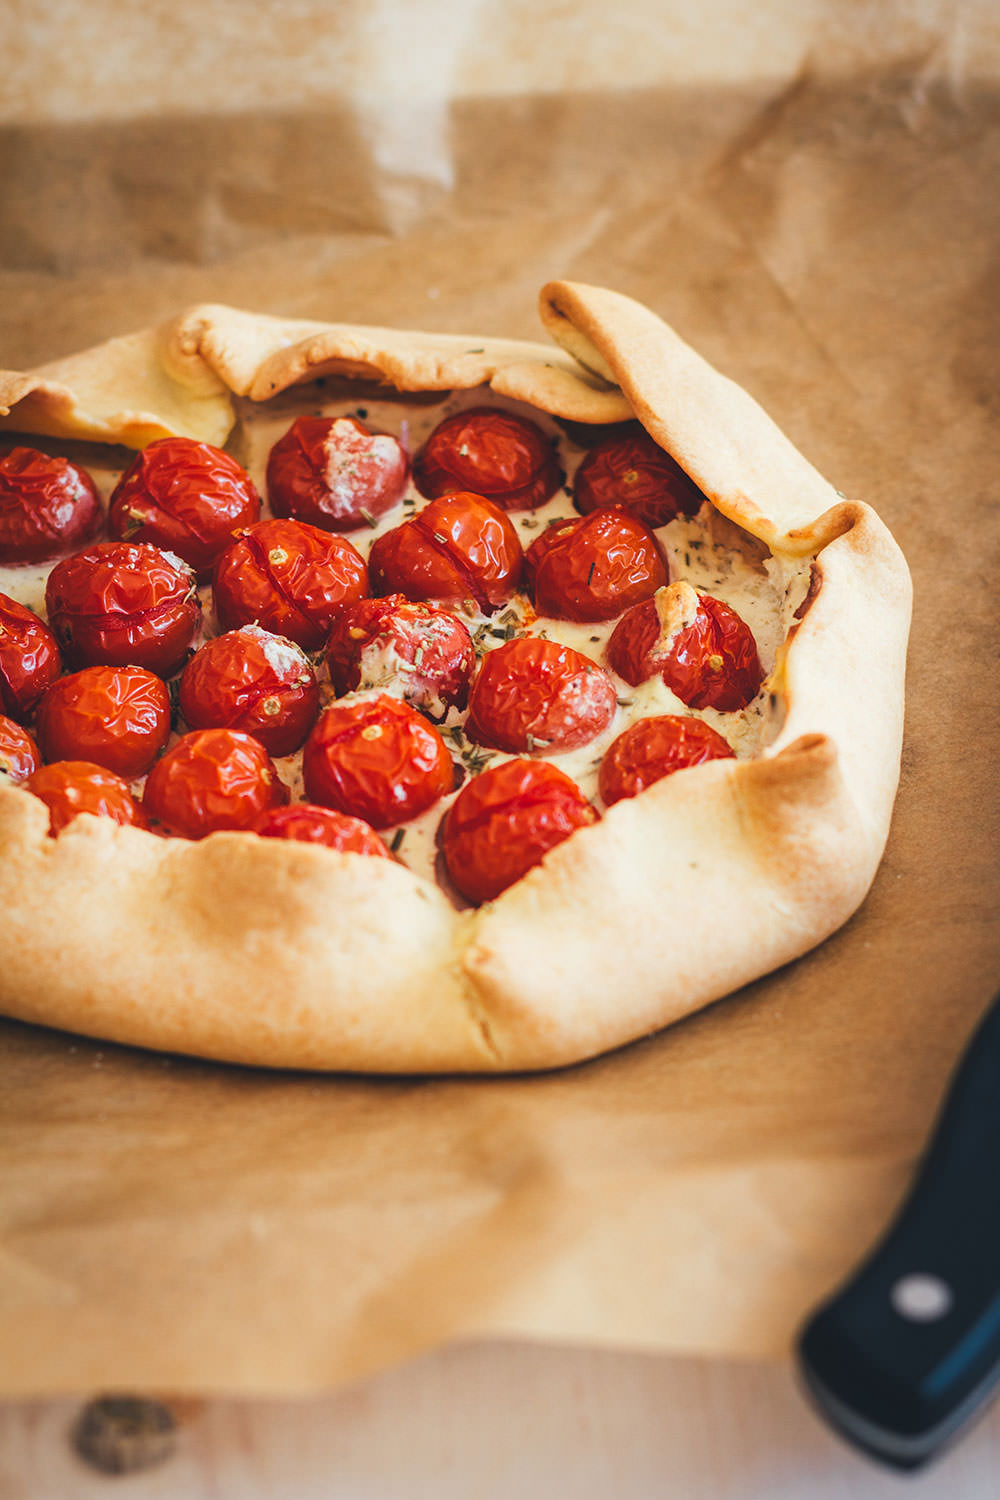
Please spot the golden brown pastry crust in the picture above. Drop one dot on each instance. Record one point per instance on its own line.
(286, 955)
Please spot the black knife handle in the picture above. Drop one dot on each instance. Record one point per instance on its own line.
(909, 1348)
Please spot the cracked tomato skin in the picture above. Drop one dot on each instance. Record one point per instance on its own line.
(121, 604)
(251, 680)
(712, 663)
(504, 821)
(654, 748)
(534, 694)
(71, 787)
(632, 471)
(116, 717)
(212, 780)
(505, 457)
(19, 757)
(376, 759)
(290, 578)
(47, 506)
(185, 497)
(418, 652)
(30, 659)
(335, 473)
(320, 825)
(460, 550)
(593, 568)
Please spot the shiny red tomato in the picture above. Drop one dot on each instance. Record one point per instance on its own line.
(320, 825)
(291, 578)
(633, 471)
(593, 568)
(71, 787)
(123, 604)
(376, 759)
(47, 506)
(252, 680)
(655, 748)
(711, 662)
(504, 821)
(116, 717)
(535, 694)
(335, 473)
(494, 453)
(29, 659)
(19, 757)
(212, 780)
(185, 497)
(459, 550)
(419, 653)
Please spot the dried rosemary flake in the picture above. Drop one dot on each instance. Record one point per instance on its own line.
(368, 518)
(397, 840)
(591, 573)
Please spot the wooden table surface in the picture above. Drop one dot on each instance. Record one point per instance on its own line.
(499, 1421)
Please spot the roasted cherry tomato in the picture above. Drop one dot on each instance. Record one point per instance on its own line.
(71, 787)
(534, 694)
(29, 659)
(458, 550)
(290, 578)
(493, 453)
(504, 821)
(320, 825)
(594, 568)
(47, 506)
(124, 604)
(701, 648)
(19, 757)
(414, 651)
(252, 680)
(632, 471)
(654, 748)
(335, 473)
(186, 497)
(376, 759)
(212, 779)
(116, 717)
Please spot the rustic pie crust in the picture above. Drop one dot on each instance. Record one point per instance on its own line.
(282, 954)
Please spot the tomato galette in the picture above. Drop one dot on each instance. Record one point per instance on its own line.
(416, 703)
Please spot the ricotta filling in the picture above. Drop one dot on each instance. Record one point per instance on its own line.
(705, 554)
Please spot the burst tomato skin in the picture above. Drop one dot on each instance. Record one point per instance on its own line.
(376, 759)
(423, 654)
(334, 473)
(289, 577)
(121, 604)
(504, 457)
(70, 787)
(459, 549)
(711, 663)
(504, 821)
(654, 748)
(116, 717)
(251, 680)
(30, 660)
(534, 694)
(593, 568)
(633, 471)
(19, 757)
(212, 780)
(320, 825)
(47, 506)
(185, 497)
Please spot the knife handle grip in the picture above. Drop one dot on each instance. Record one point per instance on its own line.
(909, 1347)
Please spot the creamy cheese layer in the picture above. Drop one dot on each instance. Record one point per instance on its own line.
(706, 551)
